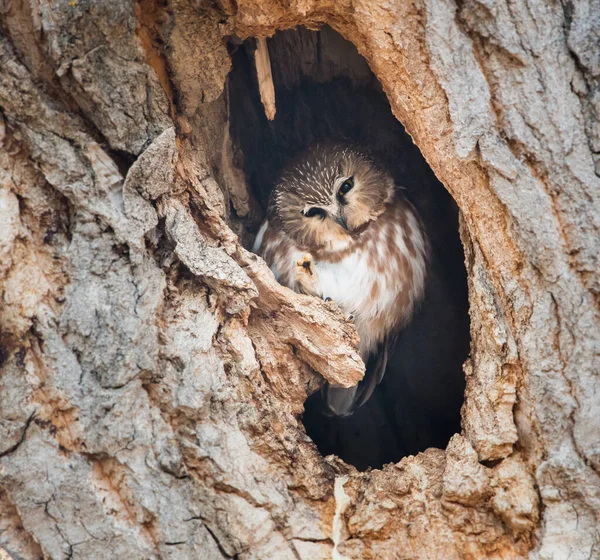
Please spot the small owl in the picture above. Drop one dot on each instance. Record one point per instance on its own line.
(338, 228)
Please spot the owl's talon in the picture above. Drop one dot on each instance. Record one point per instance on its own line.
(328, 299)
(306, 264)
(306, 276)
(350, 317)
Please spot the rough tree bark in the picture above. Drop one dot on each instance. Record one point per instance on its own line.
(152, 371)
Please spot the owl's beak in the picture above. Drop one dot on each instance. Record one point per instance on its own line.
(342, 221)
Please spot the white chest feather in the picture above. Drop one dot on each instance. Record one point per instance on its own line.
(350, 283)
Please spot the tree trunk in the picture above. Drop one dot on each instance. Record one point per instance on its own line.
(153, 373)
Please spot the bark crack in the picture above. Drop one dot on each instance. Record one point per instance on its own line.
(22, 437)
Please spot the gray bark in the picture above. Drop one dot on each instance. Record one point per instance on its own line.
(153, 372)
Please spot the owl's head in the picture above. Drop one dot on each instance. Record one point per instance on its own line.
(328, 195)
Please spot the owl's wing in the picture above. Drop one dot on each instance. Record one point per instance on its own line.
(257, 246)
(374, 373)
(342, 401)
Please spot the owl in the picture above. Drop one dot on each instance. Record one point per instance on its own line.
(338, 228)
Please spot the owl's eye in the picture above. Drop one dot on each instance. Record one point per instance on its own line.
(346, 186)
(315, 211)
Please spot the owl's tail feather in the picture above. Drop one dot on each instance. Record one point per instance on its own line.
(342, 401)
(373, 375)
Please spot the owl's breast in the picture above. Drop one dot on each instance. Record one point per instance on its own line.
(349, 282)
(361, 290)
(382, 280)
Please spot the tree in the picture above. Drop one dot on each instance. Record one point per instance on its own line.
(153, 372)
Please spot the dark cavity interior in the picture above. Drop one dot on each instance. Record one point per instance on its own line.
(324, 89)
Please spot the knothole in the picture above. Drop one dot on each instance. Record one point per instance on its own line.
(324, 90)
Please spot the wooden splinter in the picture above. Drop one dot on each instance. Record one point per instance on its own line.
(265, 77)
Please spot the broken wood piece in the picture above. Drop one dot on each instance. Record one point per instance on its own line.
(265, 77)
